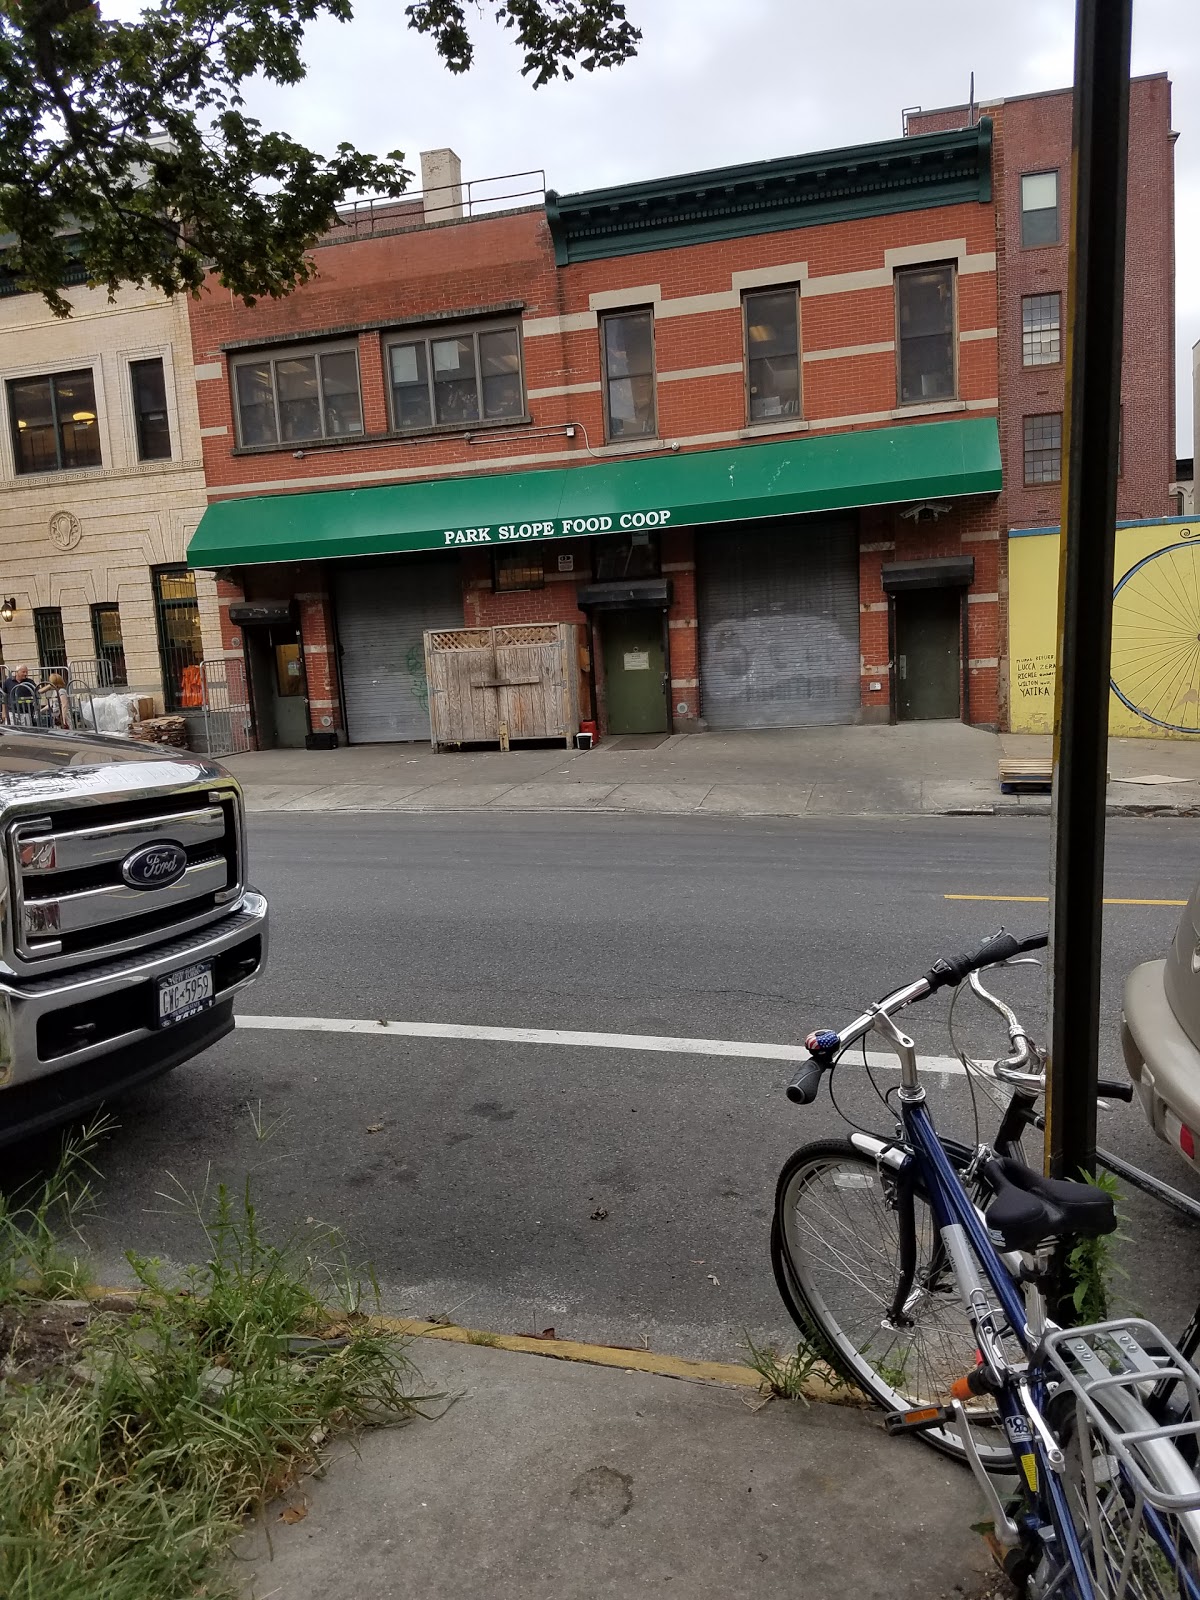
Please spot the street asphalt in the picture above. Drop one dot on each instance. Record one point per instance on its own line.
(614, 1194)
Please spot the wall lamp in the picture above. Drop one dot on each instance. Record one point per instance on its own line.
(8, 609)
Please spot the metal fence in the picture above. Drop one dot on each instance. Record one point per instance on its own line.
(226, 723)
(56, 694)
(443, 203)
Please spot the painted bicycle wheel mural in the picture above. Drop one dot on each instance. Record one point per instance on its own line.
(1156, 639)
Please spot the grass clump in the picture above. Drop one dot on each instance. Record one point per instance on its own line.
(126, 1469)
(789, 1377)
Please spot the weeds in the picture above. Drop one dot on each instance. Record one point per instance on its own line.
(124, 1477)
(35, 1222)
(790, 1377)
(1092, 1265)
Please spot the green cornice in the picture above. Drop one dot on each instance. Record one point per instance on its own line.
(866, 180)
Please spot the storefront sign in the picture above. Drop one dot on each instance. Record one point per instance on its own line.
(556, 528)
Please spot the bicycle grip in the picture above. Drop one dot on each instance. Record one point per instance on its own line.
(1106, 1089)
(999, 946)
(802, 1090)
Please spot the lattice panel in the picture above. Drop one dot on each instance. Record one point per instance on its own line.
(532, 633)
(461, 639)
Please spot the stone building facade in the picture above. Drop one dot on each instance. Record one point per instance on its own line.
(101, 487)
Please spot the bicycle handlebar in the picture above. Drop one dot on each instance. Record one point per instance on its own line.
(1000, 946)
(825, 1046)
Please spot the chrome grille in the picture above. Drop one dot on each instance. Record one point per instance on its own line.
(70, 901)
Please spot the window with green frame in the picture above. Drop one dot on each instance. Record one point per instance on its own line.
(178, 618)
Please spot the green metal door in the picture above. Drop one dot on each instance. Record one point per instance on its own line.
(634, 677)
(928, 655)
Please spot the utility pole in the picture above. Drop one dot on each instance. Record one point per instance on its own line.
(1095, 304)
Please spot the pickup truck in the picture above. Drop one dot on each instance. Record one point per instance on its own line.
(126, 924)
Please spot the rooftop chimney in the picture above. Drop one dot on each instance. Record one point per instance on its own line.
(441, 185)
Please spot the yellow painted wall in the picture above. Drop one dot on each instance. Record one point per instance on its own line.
(1156, 630)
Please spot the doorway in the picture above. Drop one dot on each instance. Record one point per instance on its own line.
(276, 661)
(928, 654)
(635, 679)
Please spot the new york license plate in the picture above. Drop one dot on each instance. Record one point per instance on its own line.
(183, 993)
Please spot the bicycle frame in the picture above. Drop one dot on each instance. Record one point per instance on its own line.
(1020, 1392)
(1019, 1401)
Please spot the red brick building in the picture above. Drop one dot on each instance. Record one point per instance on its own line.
(1032, 185)
(741, 427)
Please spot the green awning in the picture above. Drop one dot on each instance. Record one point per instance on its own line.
(833, 472)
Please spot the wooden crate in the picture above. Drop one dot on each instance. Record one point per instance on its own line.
(504, 684)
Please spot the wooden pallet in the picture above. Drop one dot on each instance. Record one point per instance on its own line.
(1029, 775)
(1025, 774)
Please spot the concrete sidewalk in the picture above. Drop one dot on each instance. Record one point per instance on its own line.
(548, 1480)
(932, 768)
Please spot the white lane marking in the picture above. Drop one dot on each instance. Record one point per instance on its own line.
(654, 1042)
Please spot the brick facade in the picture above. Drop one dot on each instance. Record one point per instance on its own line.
(366, 286)
(1032, 134)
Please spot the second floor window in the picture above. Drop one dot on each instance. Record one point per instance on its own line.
(54, 422)
(456, 379)
(1041, 330)
(627, 339)
(288, 396)
(773, 354)
(150, 409)
(1043, 449)
(925, 335)
(1039, 208)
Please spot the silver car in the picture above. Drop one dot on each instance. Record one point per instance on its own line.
(1160, 1033)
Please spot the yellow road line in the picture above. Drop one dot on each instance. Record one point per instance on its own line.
(1044, 899)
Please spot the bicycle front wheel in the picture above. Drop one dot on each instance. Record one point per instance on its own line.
(835, 1250)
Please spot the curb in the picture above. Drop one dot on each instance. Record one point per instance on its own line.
(622, 1357)
(1022, 808)
(727, 1374)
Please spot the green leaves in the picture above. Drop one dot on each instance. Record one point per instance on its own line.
(554, 35)
(125, 145)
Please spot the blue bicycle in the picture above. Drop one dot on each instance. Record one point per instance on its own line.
(919, 1267)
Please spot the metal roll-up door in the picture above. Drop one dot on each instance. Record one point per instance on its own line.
(382, 615)
(778, 617)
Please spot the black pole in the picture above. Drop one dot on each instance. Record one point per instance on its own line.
(1095, 302)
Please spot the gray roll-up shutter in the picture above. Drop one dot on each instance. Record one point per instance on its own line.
(778, 616)
(382, 615)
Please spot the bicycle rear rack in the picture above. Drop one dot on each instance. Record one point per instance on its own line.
(1136, 1500)
(1111, 1360)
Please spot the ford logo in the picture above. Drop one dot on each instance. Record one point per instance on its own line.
(155, 866)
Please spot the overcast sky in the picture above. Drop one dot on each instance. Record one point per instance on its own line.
(720, 81)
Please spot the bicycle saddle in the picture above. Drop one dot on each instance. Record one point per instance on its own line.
(1029, 1208)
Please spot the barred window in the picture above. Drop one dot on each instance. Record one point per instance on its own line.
(1041, 330)
(518, 569)
(1043, 448)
